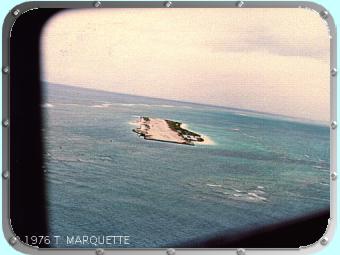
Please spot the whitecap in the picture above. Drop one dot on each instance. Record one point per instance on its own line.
(101, 105)
(166, 106)
(325, 184)
(319, 167)
(214, 185)
(252, 194)
(72, 104)
(47, 105)
(128, 105)
(251, 136)
(237, 195)
(259, 192)
(105, 158)
(85, 161)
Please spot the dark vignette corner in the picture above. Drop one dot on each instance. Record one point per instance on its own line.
(27, 208)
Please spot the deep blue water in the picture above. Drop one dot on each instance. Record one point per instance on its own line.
(102, 179)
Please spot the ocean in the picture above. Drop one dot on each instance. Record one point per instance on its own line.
(104, 180)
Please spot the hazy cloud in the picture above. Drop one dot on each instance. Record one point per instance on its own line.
(269, 60)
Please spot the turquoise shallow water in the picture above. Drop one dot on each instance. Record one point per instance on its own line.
(104, 180)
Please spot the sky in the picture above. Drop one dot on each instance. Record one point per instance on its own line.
(261, 59)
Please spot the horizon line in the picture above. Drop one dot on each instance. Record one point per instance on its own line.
(303, 120)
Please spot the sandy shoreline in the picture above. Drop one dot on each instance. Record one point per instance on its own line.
(168, 131)
(207, 139)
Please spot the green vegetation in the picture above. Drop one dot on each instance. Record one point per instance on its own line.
(176, 126)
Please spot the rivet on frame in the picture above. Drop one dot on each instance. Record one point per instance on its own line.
(100, 252)
(240, 4)
(324, 14)
(333, 176)
(168, 4)
(97, 4)
(324, 241)
(334, 72)
(16, 12)
(5, 123)
(5, 70)
(5, 174)
(13, 240)
(334, 125)
(240, 251)
(170, 251)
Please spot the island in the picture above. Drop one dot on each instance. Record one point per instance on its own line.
(165, 131)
